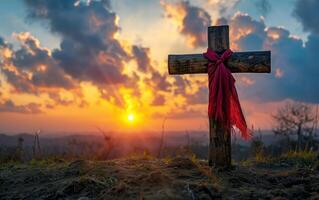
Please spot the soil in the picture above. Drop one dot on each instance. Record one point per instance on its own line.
(148, 178)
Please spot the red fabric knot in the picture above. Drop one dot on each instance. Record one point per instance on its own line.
(224, 104)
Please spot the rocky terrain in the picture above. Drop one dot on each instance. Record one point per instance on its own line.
(144, 177)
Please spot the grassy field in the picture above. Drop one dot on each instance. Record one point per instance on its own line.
(290, 176)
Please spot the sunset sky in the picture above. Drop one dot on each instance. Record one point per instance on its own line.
(70, 65)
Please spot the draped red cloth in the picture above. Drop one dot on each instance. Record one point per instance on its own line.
(224, 104)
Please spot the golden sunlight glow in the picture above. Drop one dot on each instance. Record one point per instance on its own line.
(273, 35)
(130, 117)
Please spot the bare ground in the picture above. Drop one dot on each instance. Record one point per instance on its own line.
(148, 178)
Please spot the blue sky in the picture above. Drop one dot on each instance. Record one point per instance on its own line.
(14, 14)
(280, 14)
(141, 13)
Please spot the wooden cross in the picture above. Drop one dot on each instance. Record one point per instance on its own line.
(240, 62)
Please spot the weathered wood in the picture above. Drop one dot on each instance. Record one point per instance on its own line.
(218, 38)
(219, 154)
(239, 62)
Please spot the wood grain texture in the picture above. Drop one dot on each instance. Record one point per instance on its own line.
(239, 62)
(219, 153)
(218, 38)
(219, 138)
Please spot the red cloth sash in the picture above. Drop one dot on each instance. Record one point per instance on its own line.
(224, 104)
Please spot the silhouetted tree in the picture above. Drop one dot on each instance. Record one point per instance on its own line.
(160, 149)
(36, 149)
(294, 119)
(108, 147)
(19, 149)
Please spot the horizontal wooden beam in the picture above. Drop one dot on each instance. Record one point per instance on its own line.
(239, 62)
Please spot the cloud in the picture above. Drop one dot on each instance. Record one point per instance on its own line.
(296, 77)
(142, 58)
(221, 7)
(246, 33)
(5, 50)
(199, 97)
(158, 82)
(192, 21)
(9, 106)
(31, 67)
(181, 83)
(159, 100)
(89, 50)
(294, 57)
(30, 55)
(20, 81)
(59, 100)
(307, 13)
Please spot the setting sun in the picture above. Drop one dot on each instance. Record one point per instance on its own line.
(130, 117)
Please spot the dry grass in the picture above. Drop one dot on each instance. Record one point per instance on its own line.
(141, 176)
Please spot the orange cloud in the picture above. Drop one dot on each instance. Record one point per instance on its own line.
(191, 21)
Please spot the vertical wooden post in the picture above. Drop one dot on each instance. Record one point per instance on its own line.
(256, 62)
(219, 139)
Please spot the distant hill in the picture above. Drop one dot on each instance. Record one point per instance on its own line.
(172, 138)
(119, 145)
